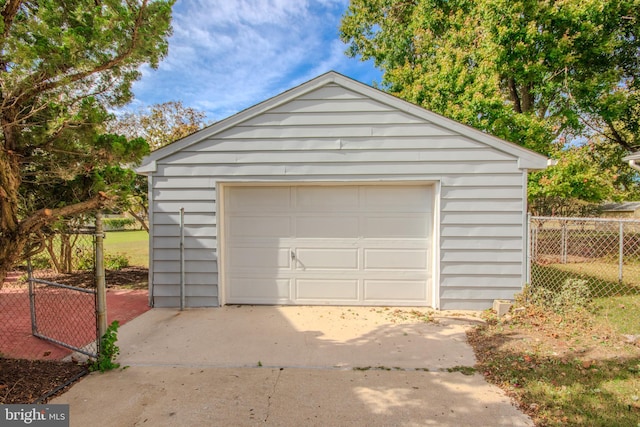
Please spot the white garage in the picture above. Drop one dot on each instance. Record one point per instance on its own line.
(329, 244)
(334, 192)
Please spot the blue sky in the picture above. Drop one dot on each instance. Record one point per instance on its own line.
(228, 55)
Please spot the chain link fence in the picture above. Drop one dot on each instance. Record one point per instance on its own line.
(48, 305)
(605, 253)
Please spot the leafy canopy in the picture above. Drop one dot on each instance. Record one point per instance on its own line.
(549, 75)
(160, 124)
(525, 70)
(63, 66)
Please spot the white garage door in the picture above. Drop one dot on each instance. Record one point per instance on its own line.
(343, 245)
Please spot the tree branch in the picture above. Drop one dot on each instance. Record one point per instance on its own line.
(616, 137)
(8, 14)
(513, 92)
(47, 84)
(46, 216)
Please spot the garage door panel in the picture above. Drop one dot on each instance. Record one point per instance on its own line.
(327, 227)
(395, 259)
(395, 290)
(327, 259)
(252, 258)
(260, 226)
(327, 289)
(250, 198)
(326, 199)
(397, 199)
(268, 291)
(396, 227)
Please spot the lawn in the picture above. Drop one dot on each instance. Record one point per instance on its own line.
(578, 365)
(132, 244)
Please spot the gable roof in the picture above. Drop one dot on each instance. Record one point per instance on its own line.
(621, 207)
(527, 159)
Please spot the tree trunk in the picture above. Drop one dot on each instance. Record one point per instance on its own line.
(11, 243)
(140, 219)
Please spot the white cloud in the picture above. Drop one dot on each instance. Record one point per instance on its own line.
(225, 56)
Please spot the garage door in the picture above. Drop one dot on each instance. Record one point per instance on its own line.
(340, 245)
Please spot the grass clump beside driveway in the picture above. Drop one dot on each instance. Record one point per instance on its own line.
(566, 365)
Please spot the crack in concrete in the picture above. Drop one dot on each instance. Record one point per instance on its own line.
(273, 392)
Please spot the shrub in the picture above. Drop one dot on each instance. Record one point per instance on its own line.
(40, 262)
(573, 296)
(116, 261)
(85, 261)
(115, 224)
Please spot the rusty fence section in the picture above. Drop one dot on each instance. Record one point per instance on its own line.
(48, 305)
(602, 252)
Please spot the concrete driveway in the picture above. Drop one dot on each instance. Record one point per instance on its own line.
(325, 366)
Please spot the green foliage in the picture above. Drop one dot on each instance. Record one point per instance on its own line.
(86, 261)
(160, 124)
(585, 176)
(116, 261)
(113, 224)
(111, 261)
(573, 296)
(65, 66)
(550, 76)
(40, 262)
(108, 350)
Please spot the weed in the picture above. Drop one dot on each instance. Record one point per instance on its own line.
(464, 370)
(259, 364)
(40, 262)
(108, 350)
(116, 261)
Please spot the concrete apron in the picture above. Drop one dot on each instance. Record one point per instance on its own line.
(253, 365)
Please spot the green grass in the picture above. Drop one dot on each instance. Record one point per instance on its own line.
(623, 313)
(602, 278)
(571, 392)
(133, 244)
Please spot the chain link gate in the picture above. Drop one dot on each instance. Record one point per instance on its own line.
(605, 252)
(65, 313)
(51, 305)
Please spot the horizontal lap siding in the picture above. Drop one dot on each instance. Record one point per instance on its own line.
(198, 198)
(335, 135)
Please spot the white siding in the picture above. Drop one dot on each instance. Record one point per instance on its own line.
(335, 134)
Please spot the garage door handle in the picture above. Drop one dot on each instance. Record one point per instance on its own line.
(293, 256)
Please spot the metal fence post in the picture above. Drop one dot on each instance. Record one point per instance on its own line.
(620, 251)
(101, 287)
(32, 298)
(563, 243)
(528, 250)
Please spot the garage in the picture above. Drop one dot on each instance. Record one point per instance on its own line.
(328, 244)
(337, 193)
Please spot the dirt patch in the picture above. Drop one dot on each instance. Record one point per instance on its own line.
(125, 278)
(27, 381)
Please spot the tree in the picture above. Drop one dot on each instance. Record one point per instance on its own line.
(586, 175)
(159, 125)
(528, 71)
(62, 66)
